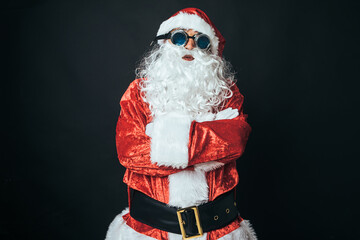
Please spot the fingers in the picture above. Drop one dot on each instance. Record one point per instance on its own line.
(228, 113)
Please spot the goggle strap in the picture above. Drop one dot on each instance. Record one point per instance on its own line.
(163, 36)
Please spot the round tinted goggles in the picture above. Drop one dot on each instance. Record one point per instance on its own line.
(181, 38)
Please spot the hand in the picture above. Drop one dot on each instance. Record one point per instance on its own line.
(228, 113)
(205, 117)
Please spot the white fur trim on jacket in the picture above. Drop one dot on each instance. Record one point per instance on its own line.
(190, 21)
(118, 230)
(170, 139)
(188, 188)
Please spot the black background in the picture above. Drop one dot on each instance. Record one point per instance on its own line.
(67, 64)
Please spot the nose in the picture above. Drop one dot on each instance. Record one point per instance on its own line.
(190, 44)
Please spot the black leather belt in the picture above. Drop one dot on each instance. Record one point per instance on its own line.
(191, 221)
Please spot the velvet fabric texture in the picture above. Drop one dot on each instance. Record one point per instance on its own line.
(223, 141)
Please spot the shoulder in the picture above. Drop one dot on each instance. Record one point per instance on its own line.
(133, 91)
(133, 102)
(236, 100)
(236, 92)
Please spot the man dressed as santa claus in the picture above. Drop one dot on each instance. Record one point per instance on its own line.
(179, 134)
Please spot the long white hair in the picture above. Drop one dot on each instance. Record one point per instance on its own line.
(173, 84)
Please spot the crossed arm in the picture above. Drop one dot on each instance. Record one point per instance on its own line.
(178, 142)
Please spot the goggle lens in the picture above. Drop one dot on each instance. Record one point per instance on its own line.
(178, 38)
(203, 42)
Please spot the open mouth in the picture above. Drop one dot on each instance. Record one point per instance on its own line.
(188, 57)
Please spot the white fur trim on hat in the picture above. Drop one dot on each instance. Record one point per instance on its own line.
(190, 21)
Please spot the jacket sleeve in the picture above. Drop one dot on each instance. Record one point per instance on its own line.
(132, 144)
(215, 143)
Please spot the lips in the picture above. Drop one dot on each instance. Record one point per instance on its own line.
(188, 57)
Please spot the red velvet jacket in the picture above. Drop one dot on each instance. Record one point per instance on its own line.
(220, 140)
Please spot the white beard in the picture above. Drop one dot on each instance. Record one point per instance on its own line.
(192, 87)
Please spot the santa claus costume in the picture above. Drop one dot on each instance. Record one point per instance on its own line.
(179, 134)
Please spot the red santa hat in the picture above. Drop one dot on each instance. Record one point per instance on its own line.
(194, 18)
